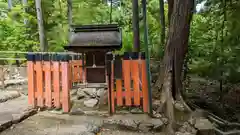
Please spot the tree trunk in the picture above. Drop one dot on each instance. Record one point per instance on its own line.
(42, 37)
(175, 51)
(69, 14)
(9, 5)
(135, 25)
(162, 21)
(24, 3)
(170, 10)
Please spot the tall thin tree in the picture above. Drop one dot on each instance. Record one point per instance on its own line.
(162, 21)
(24, 3)
(9, 4)
(42, 37)
(69, 14)
(135, 25)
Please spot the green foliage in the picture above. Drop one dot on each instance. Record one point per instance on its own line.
(214, 41)
(213, 47)
(13, 34)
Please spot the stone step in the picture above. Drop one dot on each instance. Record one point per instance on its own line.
(14, 111)
(8, 95)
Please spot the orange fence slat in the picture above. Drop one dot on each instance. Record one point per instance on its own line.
(77, 72)
(48, 83)
(131, 94)
(39, 83)
(31, 83)
(112, 85)
(115, 95)
(65, 87)
(56, 83)
(70, 75)
(144, 86)
(136, 79)
(119, 92)
(127, 80)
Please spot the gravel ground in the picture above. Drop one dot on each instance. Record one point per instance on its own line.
(45, 123)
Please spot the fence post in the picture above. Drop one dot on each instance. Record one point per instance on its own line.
(48, 80)
(31, 83)
(144, 84)
(39, 80)
(108, 60)
(65, 84)
(56, 81)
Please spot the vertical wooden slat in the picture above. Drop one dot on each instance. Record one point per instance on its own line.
(119, 92)
(75, 72)
(127, 81)
(112, 85)
(56, 84)
(48, 83)
(31, 83)
(39, 79)
(136, 79)
(65, 87)
(84, 74)
(70, 75)
(144, 86)
(80, 71)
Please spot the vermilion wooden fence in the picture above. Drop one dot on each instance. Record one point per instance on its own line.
(78, 72)
(48, 81)
(128, 81)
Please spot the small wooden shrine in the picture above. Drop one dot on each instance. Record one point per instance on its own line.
(93, 42)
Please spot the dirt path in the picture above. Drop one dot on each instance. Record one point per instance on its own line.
(45, 123)
(13, 110)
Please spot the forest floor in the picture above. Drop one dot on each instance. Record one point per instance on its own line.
(46, 123)
(207, 95)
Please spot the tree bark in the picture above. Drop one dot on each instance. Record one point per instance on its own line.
(69, 14)
(24, 3)
(162, 21)
(170, 10)
(42, 37)
(9, 5)
(135, 25)
(175, 51)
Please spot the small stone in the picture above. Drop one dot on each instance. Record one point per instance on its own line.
(192, 121)
(91, 102)
(156, 104)
(156, 115)
(182, 133)
(101, 92)
(145, 127)
(136, 111)
(194, 131)
(80, 94)
(165, 120)
(74, 98)
(185, 125)
(129, 124)
(179, 106)
(73, 92)
(204, 126)
(92, 92)
(182, 130)
(93, 128)
(55, 111)
(103, 98)
(76, 111)
(157, 124)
